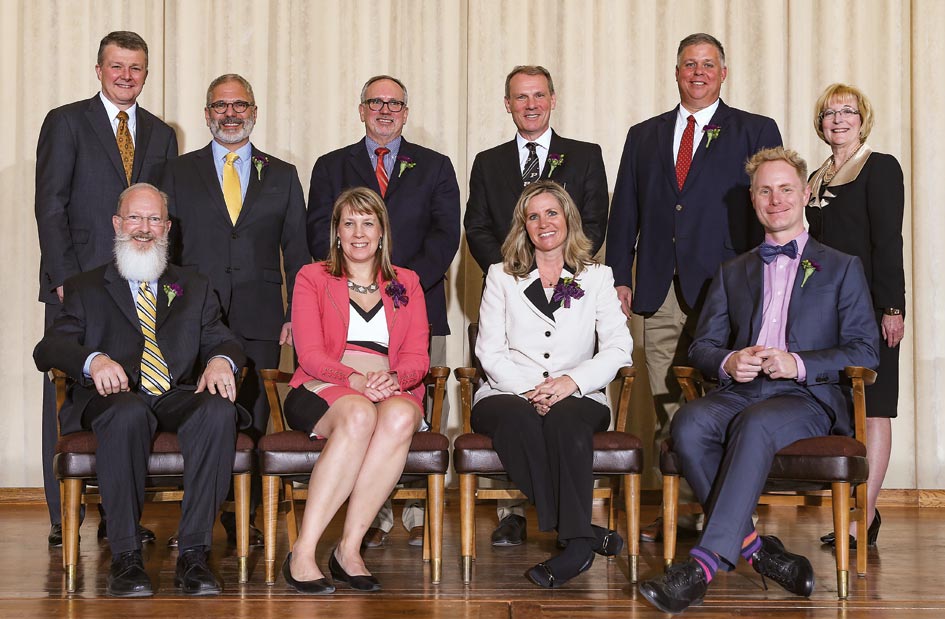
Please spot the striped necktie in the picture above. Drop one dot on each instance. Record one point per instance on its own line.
(530, 171)
(155, 376)
(380, 171)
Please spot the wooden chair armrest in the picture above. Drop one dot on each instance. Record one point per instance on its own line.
(626, 376)
(271, 380)
(854, 372)
(436, 378)
(690, 381)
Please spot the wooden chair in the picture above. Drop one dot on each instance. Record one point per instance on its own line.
(74, 465)
(286, 457)
(618, 455)
(837, 463)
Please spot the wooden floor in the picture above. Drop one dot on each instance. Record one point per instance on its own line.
(906, 578)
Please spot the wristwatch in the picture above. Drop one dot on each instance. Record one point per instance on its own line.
(892, 311)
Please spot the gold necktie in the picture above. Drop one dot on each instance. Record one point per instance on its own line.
(126, 146)
(155, 375)
(232, 194)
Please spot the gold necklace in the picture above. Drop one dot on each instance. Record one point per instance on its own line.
(828, 175)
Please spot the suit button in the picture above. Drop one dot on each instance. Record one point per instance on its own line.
(679, 207)
(547, 333)
(547, 355)
(545, 374)
(229, 270)
(234, 236)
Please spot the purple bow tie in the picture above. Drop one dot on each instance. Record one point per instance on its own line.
(769, 252)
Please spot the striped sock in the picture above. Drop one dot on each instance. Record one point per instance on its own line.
(751, 545)
(707, 559)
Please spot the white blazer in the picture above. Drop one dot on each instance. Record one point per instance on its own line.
(519, 345)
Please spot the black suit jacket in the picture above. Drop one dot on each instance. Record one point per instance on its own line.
(79, 176)
(830, 322)
(495, 185)
(687, 232)
(241, 261)
(99, 315)
(423, 206)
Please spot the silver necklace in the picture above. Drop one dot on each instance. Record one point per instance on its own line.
(363, 289)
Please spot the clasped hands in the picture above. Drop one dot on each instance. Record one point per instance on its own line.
(549, 392)
(376, 386)
(745, 364)
(109, 377)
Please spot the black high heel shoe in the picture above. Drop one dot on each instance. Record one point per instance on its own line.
(872, 534)
(363, 582)
(321, 586)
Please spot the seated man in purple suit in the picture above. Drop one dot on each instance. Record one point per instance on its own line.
(779, 325)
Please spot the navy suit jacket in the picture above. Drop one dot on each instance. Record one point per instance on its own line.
(830, 322)
(423, 206)
(99, 315)
(242, 261)
(495, 184)
(688, 232)
(79, 176)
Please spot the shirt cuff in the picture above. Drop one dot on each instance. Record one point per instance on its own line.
(723, 375)
(801, 368)
(230, 361)
(88, 364)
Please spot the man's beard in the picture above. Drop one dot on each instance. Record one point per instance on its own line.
(226, 137)
(140, 265)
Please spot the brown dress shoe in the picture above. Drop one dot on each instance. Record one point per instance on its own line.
(416, 536)
(374, 538)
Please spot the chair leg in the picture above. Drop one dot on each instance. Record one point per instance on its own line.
(241, 498)
(71, 500)
(861, 550)
(670, 517)
(291, 519)
(270, 490)
(433, 533)
(611, 516)
(467, 523)
(631, 497)
(840, 495)
(426, 525)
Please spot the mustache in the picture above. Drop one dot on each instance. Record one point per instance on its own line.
(232, 119)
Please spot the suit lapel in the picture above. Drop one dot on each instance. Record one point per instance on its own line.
(754, 279)
(702, 152)
(101, 126)
(145, 122)
(118, 288)
(511, 168)
(532, 293)
(254, 187)
(337, 293)
(164, 306)
(815, 252)
(208, 173)
(360, 162)
(664, 141)
(555, 147)
(406, 150)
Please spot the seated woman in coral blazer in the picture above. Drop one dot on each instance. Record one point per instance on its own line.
(361, 334)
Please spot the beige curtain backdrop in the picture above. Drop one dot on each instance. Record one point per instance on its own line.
(612, 62)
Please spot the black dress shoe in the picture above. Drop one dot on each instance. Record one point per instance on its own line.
(256, 538)
(872, 534)
(127, 578)
(144, 534)
(791, 571)
(608, 542)
(543, 575)
(681, 586)
(363, 582)
(193, 575)
(320, 586)
(55, 536)
(510, 532)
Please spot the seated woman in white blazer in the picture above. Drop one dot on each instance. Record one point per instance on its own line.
(544, 310)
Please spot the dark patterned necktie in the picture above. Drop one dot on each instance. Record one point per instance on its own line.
(769, 252)
(530, 171)
(126, 146)
(684, 157)
(380, 171)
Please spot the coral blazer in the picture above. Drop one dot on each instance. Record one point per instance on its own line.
(320, 316)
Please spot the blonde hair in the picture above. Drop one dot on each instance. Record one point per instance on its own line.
(778, 153)
(518, 251)
(844, 92)
(361, 201)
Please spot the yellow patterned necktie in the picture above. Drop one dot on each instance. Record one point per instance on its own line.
(232, 194)
(155, 375)
(126, 146)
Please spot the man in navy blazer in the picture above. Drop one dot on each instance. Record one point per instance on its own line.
(681, 217)
(243, 259)
(778, 327)
(419, 187)
(79, 174)
(496, 180)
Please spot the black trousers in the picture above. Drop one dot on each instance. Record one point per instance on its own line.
(124, 425)
(549, 458)
(50, 435)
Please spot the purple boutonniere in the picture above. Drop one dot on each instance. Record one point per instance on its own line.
(260, 163)
(397, 292)
(566, 289)
(810, 267)
(405, 164)
(713, 131)
(554, 160)
(173, 291)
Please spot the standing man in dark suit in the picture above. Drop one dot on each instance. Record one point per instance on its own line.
(497, 179)
(88, 153)
(239, 213)
(681, 207)
(537, 152)
(778, 326)
(419, 187)
(134, 335)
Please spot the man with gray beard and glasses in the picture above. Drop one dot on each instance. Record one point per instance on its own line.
(239, 217)
(147, 351)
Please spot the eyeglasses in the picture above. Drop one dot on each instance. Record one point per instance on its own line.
(376, 105)
(238, 106)
(844, 113)
(137, 220)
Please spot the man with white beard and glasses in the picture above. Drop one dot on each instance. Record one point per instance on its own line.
(145, 347)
